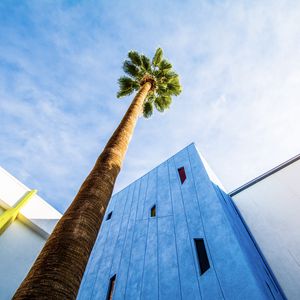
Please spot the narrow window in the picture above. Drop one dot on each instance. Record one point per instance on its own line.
(109, 216)
(153, 211)
(182, 175)
(111, 287)
(202, 255)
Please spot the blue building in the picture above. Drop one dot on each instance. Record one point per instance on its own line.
(174, 234)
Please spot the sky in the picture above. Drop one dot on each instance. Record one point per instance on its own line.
(239, 64)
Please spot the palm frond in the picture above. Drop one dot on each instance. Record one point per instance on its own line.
(157, 57)
(127, 86)
(125, 82)
(158, 74)
(169, 75)
(174, 87)
(135, 58)
(123, 93)
(165, 65)
(162, 102)
(151, 97)
(146, 63)
(158, 104)
(147, 109)
(167, 101)
(162, 90)
(131, 69)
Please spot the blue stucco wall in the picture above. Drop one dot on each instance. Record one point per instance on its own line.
(155, 257)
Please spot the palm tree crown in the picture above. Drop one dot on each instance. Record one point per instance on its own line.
(164, 81)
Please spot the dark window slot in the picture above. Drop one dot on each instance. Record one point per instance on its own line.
(111, 287)
(182, 174)
(202, 255)
(153, 211)
(109, 216)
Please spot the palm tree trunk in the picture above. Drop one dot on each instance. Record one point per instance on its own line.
(58, 270)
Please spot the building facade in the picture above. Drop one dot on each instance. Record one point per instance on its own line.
(174, 234)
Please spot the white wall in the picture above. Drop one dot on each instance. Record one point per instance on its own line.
(271, 209)
(36, 212)
(22, 241)
(19, 246)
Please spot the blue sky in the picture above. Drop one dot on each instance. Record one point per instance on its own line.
(239, 63)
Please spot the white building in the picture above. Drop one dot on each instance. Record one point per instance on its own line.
(22, 240)
(270, 206)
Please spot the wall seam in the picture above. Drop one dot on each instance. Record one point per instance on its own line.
(127, 196)
(174, 230)
(125, 238)
(132, 239)
(157, 247)
(188, 228)
(143, 203)
(100, 260)
(114, 245)
(145, 250)
(204, 233)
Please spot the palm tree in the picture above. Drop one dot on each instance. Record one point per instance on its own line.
(58, 270)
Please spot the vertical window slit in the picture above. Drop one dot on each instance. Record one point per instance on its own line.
(109, 216)
(182, 174)
(153, 211)
(202, 255)
(111, 287)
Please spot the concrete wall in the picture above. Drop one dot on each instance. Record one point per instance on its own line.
(271, 209)
(155, 257)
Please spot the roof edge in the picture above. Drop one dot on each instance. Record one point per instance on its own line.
(264, 175)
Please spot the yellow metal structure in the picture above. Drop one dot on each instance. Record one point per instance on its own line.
(10, 215)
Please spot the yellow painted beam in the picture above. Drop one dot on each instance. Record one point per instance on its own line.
(10, 215)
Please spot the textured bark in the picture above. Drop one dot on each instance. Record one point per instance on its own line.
(58, 270)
